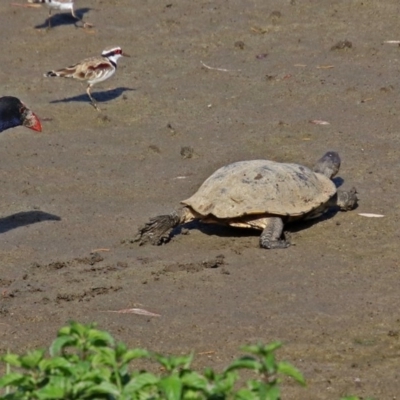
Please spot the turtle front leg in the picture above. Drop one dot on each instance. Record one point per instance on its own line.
(157, 230)
(347, 200)
(271, 235)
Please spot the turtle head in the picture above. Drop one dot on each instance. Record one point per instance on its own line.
(328, 164)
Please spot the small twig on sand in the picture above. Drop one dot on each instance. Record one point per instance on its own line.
(325, 66)
(219, 69)
(318, 122)
(138, 311)
(370, 215)
(97, 250)
(206, 353)
(392, 41)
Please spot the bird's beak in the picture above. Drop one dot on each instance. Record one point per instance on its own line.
(125, 55)
(31, 121)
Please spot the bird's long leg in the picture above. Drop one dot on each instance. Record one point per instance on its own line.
(49, 19)
(84, 24)
(92, 100)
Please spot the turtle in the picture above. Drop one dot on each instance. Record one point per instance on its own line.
(258, 194)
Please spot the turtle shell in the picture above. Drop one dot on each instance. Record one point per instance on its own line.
(261, 187)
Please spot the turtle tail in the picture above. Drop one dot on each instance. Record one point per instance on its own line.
(157, 231)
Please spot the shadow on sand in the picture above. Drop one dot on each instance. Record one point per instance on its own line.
(63, 18)
(25, 218)
(227, 231)
(100, 97)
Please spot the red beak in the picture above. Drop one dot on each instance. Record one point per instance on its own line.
(31, 121)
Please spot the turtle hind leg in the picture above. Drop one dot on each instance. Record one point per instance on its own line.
(157, 231)
(271, 236)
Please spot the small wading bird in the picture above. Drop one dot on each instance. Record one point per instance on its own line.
(92, 70)
(14, 113)
(62, 5)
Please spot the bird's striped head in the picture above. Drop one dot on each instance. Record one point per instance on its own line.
(114, 53)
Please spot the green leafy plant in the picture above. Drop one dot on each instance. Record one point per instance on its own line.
(86, 363)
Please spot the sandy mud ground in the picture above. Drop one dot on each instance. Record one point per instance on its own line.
(74, 196)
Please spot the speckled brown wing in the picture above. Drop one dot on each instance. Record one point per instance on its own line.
(94, 69)
(261, 187)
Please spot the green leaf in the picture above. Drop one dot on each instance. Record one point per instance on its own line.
(245, 362)
(104, 356)
(55, 389)
(195, 380)
(103, 388)
(12, 379)
(262, 390)
(271, 347)
(60, 343)
(288, 369)
(174, 362)
(251, 348)
(65, 330)
(224, 383)
(270, 363)
(246, 394)
(95, 374)
(273, 393)
(350, 398)
(78, 329)
(260, 349)
(100, 338)
(32, 359)
(172, 387)
(183, 361)
(120, 349)
(81, 387)
(164, 361)
(139, 382)
(51, 365)
(134, 354)
(209, 373)
(12, 359)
